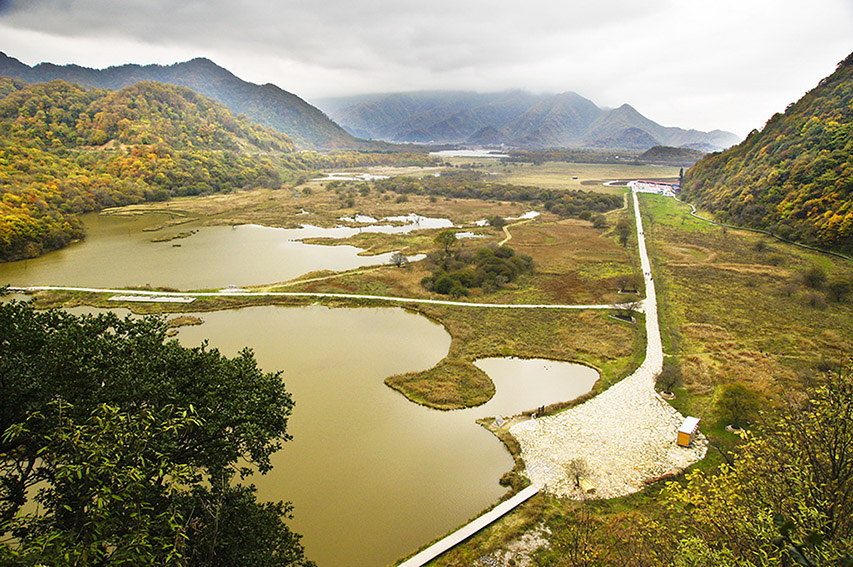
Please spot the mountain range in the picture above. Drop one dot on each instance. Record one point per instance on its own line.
(795, 176)
(512, 118)
(267, 105)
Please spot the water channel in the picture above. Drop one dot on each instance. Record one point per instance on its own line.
(371, 475)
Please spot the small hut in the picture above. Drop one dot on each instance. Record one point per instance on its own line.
(687, 430)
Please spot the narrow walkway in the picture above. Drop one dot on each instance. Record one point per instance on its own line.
(506, 231)
(243, 293)
(468, 530)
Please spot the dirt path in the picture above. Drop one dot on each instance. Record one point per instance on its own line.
(506, 231)
(622, 437)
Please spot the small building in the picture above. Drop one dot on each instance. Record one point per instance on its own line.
(687, 430)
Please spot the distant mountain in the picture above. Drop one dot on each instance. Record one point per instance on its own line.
(514, 118)
(794, 177)
(267, 105)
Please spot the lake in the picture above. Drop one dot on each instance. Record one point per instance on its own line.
(117, 252)
(372, 476)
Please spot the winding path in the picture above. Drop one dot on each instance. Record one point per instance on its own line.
(622, 437)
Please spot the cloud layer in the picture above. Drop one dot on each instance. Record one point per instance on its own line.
(726, 64)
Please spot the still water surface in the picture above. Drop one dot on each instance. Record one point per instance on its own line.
(371, 475)
(117, 253)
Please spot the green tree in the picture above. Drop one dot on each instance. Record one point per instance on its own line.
(670, 376)
(240, 413)
(737, 405)
(446, 239)
(109, 493)
(623, 230)
(788, 497)
(497, 221)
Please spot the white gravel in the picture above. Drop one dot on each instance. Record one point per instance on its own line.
(625, 435)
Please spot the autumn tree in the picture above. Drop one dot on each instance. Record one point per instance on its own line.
(788, 497)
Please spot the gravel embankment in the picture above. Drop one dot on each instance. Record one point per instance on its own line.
(624, 436)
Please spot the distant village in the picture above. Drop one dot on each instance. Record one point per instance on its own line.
(667, 189)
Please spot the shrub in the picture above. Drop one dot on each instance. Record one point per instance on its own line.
(670, 377)
(737, 405)
(814, 278)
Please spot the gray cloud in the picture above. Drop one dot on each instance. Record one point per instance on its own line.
(688, 63)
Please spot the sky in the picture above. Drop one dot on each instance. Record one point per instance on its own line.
(703, 64)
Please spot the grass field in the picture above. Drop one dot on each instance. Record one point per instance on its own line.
(734, 307)
(559, 175)
(737, 308)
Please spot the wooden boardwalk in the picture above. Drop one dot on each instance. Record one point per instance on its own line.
(468, 530)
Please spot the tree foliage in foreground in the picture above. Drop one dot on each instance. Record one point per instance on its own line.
(130, 444)
(788, 497)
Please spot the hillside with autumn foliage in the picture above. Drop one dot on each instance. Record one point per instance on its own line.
(66, 150)
(794, 178)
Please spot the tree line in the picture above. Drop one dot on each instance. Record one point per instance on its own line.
(467, 184)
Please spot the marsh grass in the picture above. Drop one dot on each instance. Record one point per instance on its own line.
(734, 308)
(586, 337)
(730, 311)
(590, 176)
(451, 384)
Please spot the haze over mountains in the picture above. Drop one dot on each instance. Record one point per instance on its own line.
(514, 118)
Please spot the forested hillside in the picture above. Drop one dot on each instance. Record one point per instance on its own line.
(670, 156)
(795, 177)
(265, 104)
(65, 150)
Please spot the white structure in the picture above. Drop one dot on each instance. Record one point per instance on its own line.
(665, 189)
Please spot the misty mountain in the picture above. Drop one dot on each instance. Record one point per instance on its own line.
(267, 104)
(514, 118)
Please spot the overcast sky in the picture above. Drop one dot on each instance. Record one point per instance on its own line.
(705, 64)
